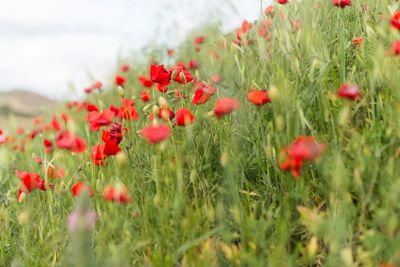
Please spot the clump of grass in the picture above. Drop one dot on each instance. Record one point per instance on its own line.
(214, 193)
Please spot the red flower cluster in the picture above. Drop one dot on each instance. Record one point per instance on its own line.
(29, 182)
(110, 147)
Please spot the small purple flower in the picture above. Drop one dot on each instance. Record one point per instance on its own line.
(82, 220)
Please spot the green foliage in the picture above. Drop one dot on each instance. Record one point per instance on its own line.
(214, 194)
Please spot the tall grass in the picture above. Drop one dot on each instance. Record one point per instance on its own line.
(214, 194)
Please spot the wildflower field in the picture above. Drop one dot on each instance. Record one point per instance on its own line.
(277, 144)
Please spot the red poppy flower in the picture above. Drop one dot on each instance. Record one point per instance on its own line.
(283, 2)
(341, 3)
(48, 146)
(98, 155)
(33, 134)
(91, 107)
(156, 134)
(38, 160)
(193, 64)
(179, 94)
(183, 76)
(127, 110)
(114, 133)
(69, 141)
(118, 194)
(29, 180)
(98, 120)
(396, 20)
(184, 117)
(258, 97)
(246, 26)
(158, 74)
(200, 97)
(38, 120)
(53, 173)
(145, 96)
(304, 148)
(119, 80)
(79, 187)
(269, 11)
(125, 68)
(265, 27)
(115, 110)
(358, 41)
(216, 78)
(351, 92)
(166, 113)
(225, 106)
(97, 85)
(20, 130)
(111, 147)
(170, 52)
(162, 88)
(396, 47)
(88, 90)
(145, 82)
(56, 125)
(3, 138)
(199, 40)
(203, 93)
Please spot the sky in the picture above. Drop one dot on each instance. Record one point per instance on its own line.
(50, 46)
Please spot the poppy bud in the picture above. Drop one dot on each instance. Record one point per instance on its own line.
(121, 159)
(273, 93)
(312, 247)
(147, 107)
(344, 115)
(173, 74)
(121, 91)
(346, 256)
(23, 217)
(71, 126)
(224, 158)
(22, 197)
(156, 200)
(156, 109)
(162, 102)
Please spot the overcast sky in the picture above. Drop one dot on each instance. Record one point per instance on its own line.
(47, 44)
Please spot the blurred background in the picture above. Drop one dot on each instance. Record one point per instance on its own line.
(48, 46)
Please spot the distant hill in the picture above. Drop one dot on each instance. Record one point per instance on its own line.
(23, 103)
(22, 106)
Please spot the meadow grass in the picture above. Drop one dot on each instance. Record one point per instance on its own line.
(213, 194)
